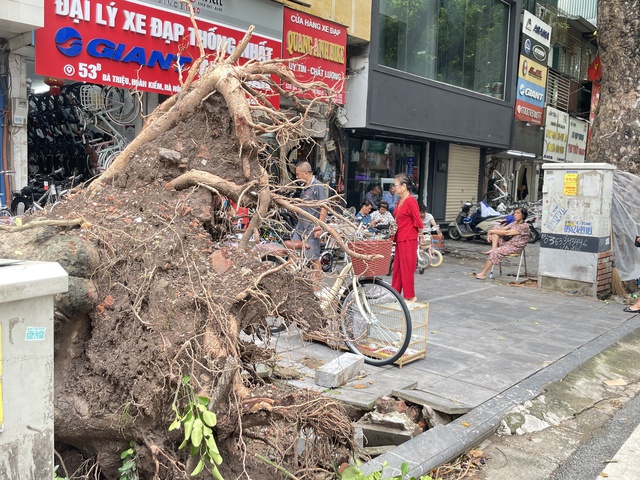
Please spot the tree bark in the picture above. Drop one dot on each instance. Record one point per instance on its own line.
(615, 137)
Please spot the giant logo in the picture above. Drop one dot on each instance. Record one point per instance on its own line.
(531, 93)
(527, 46)
(69, 42)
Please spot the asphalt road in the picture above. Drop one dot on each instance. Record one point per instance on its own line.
(591, 458)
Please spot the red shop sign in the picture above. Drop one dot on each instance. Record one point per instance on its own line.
(322, 44)
(129, 45)
(528, 113)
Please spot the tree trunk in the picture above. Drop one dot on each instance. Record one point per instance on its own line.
(615, 135)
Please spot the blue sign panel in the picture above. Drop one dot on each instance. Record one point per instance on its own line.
(531, 93)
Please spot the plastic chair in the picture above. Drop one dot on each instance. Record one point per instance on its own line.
(523, 259)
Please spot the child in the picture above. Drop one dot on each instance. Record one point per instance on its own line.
(427, 219)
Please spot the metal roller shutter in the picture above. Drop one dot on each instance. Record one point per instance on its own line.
(462, 178)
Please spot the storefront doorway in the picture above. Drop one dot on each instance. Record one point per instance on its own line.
(377, 161)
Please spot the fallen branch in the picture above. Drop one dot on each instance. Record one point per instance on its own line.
(42, 223)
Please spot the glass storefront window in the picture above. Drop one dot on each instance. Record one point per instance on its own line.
(459, 42)
(376, 162)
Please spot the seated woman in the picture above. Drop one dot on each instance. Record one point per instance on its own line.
(364, 215)
(383, 218)
(507, 240)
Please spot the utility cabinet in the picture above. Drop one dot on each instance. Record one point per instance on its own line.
(27, 290)
(575, 246)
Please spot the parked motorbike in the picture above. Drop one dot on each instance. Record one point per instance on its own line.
(474, 224)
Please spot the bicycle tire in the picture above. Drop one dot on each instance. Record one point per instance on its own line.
(436, 258)
(500, 167)
(423, 259)
(5, 212)
(384, 335)
(327, 261)
(121, 107)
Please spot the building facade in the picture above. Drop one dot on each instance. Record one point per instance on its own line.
(560, 133)
(430, 95)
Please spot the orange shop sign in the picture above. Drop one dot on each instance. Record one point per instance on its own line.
(320, 46)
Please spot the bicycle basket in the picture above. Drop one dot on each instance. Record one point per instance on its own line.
(371, 268)
(424, 240)
(91, 97)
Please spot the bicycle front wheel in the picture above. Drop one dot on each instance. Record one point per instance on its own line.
(375, 321)
(436, 258)
(423, 259)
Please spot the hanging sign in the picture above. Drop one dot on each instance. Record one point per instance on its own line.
(577, 141)
(556, 132)
(131, 45)
(322, 44)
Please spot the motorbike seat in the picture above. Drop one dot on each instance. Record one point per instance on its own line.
(480, 219)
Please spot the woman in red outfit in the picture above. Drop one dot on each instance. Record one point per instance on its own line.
(409, 223)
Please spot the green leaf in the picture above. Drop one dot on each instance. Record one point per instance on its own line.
(183, 444)
(215, 458)
(209, 418)
(203, 401)
(212, 450)
(196, 434)
(194, 451)
(188, 427)
(185, 380)
(206, 431)
(352, 473)
(404, 468)
(126, 453)
(128, 465)
(216, 473)
(198, 468)
(212, 446)
(175, 425)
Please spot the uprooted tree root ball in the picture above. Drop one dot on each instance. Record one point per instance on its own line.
(157, 301)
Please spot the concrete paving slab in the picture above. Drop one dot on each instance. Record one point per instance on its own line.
(421, 397)
(462, 391)
(444, 362)
(496, 375)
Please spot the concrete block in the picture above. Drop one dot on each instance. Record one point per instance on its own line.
(378, 435)
(340, 370)
(441, 404)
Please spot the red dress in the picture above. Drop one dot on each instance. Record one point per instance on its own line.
(409, 223)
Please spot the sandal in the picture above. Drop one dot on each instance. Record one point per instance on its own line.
(480, 277)
(630, 310)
